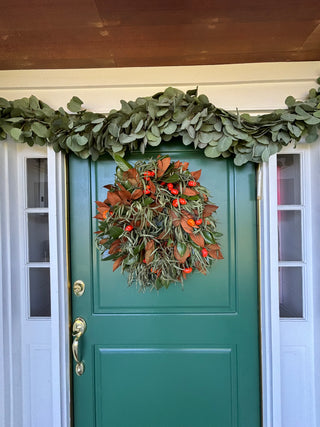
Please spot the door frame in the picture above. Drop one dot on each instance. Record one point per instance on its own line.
(256, 88)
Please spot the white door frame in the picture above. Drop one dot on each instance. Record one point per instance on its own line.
(256, 88)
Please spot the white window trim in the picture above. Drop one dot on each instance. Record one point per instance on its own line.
(270, 319)
(60, 293)
(13, 405)
(269, 299)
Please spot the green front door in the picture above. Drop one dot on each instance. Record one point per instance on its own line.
(173, 358)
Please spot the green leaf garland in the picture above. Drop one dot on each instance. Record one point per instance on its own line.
(157, 223)
(165, 116)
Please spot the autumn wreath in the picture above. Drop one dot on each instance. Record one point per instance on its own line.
(156, 223)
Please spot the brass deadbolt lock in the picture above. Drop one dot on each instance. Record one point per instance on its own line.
(78, 288)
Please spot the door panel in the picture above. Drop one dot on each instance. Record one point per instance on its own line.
(177, 357)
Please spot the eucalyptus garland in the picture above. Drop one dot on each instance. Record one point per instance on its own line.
(156, 223)
(165, 116)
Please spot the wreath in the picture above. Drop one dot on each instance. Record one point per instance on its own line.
(157, 223)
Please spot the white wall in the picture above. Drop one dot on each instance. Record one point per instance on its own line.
(254, 88)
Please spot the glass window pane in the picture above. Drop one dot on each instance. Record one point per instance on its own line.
(291, 296)
(38, 234)
(39, 279)
(37, 183)
(290, 240)
(289, 191)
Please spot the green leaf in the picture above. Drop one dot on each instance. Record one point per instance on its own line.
(40, 130)
(208, 237)
(224, 143)
(181, 247)
(80, 139)
(15, 119)
(152, 139)
(303, 114)
(170, 128)
(173, 178)
(122, 163)
(147, 201)
(212, 152)
(97, 127)
(115, 232)
(34, 102)
(192, 92)
(265, 155)
(313, 120)
(203, 99)
(16, 133)
(126, 139)
(186, 140)
(205, 137)
(114, 129)
(22, 103)
(241, 159)
(4, 103)
(155, 130)
(74, 105)
(290, 101)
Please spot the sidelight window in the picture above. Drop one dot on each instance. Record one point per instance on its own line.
(290, 236)
(37, 251)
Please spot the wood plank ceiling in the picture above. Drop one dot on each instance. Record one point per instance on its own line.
(38, 34)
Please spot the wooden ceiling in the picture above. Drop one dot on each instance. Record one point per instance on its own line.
(38, 34)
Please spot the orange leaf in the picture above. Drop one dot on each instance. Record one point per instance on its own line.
(113, 198)
(163, 234)
(124, 191)
(196, 174)
(152, 187)
(163, 166)
(185, 226)
(104, 209)
(132, 176)
(214, 251)
(208, 209)
(100, 217)
(103, 241)
(115, 247)
(197, 239)
(149, 255)
(124, 198)
(136, 194)
(117, 263)
(102, 205)
(186, 214)
(190, 192)
(179, 164)
(178, 257)
(175, 218)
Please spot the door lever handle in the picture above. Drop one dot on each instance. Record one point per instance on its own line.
(78, 329)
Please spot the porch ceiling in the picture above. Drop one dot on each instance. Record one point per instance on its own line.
(38, 34)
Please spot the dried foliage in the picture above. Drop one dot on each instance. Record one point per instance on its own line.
(152, 226)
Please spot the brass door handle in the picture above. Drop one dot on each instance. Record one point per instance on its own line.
(78, 329)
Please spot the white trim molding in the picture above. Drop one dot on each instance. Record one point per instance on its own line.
(34, 353)
(254, 88)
